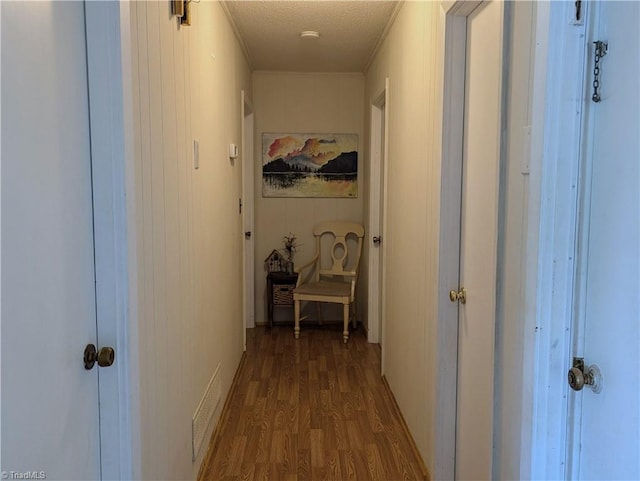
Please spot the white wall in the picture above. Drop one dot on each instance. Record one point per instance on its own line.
(302, 103)
(186, 85)
(411, 57)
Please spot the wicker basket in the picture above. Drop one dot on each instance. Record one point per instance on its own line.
(283, 294)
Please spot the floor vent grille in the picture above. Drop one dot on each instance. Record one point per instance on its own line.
(205, 411)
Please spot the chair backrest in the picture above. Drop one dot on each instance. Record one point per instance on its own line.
(340, 253)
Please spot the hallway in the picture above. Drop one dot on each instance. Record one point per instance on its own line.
(136, 219)
(310, 409)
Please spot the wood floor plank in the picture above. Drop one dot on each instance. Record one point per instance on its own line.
(247, 471)
(310, 409)
(348, 466)
(261, 473)
(374, 463)
(304, 464)
(334, 468)
(317, 448)
(237, 453)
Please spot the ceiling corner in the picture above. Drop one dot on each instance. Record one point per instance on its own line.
(238, 34)
(383, 35)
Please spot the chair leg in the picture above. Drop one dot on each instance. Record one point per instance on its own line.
(345, 315)
(296, 315)
(319, 308)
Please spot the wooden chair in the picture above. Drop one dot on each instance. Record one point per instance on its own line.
(334, 284)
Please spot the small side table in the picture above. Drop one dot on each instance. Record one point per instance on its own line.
(280, 287)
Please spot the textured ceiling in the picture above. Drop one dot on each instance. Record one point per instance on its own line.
(349, 33)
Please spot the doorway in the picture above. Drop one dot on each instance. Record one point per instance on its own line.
(470, 198)
(377, 215)
(248, 249)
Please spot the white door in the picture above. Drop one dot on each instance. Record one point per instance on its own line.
(478, 247)
(375, 237)
(50, 413)
(247, 215)
(605, 427)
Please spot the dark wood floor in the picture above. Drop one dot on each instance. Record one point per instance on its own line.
(310, 409)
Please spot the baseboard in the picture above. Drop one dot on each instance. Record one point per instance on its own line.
(215, 437)
(425, 472)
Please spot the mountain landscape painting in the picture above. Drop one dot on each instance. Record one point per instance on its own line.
(309, 165)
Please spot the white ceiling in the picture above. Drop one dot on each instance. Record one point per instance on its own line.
(349, 33)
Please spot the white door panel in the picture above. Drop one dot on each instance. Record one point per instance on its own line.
(49, 401)
(607, 332)
(478, 248)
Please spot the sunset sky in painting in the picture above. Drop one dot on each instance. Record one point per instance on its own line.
(318, 149)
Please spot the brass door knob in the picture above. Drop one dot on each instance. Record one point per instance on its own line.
(105, 357)
(459, 296)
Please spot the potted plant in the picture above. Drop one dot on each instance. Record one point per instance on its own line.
(290, 245)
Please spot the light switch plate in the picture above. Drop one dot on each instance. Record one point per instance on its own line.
(233, 151)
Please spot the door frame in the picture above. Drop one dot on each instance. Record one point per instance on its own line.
(560, 236)
(378, 188)
(0, 248)
(111, 131)
(451, 183)
(455, 39)
(248, 251)
(559, 181)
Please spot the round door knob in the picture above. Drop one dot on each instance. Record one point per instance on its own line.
(105, 357)
(576, 379)
(460, 296)
(580, 376)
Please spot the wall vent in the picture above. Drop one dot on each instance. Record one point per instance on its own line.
(204, 413)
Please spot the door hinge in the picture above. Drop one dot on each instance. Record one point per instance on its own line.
(240, 205)
(577, 18)
(600, 50)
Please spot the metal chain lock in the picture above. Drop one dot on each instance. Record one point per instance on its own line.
(600, 51)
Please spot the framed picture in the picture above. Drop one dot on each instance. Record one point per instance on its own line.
(309, 165)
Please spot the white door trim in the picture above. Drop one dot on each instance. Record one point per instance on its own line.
(385, 222)
(0, 250)
(109, 77)
(248, 125)
(377, 188)
(558, 178)
(454, 68)
(449, 251)
(533, 237)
